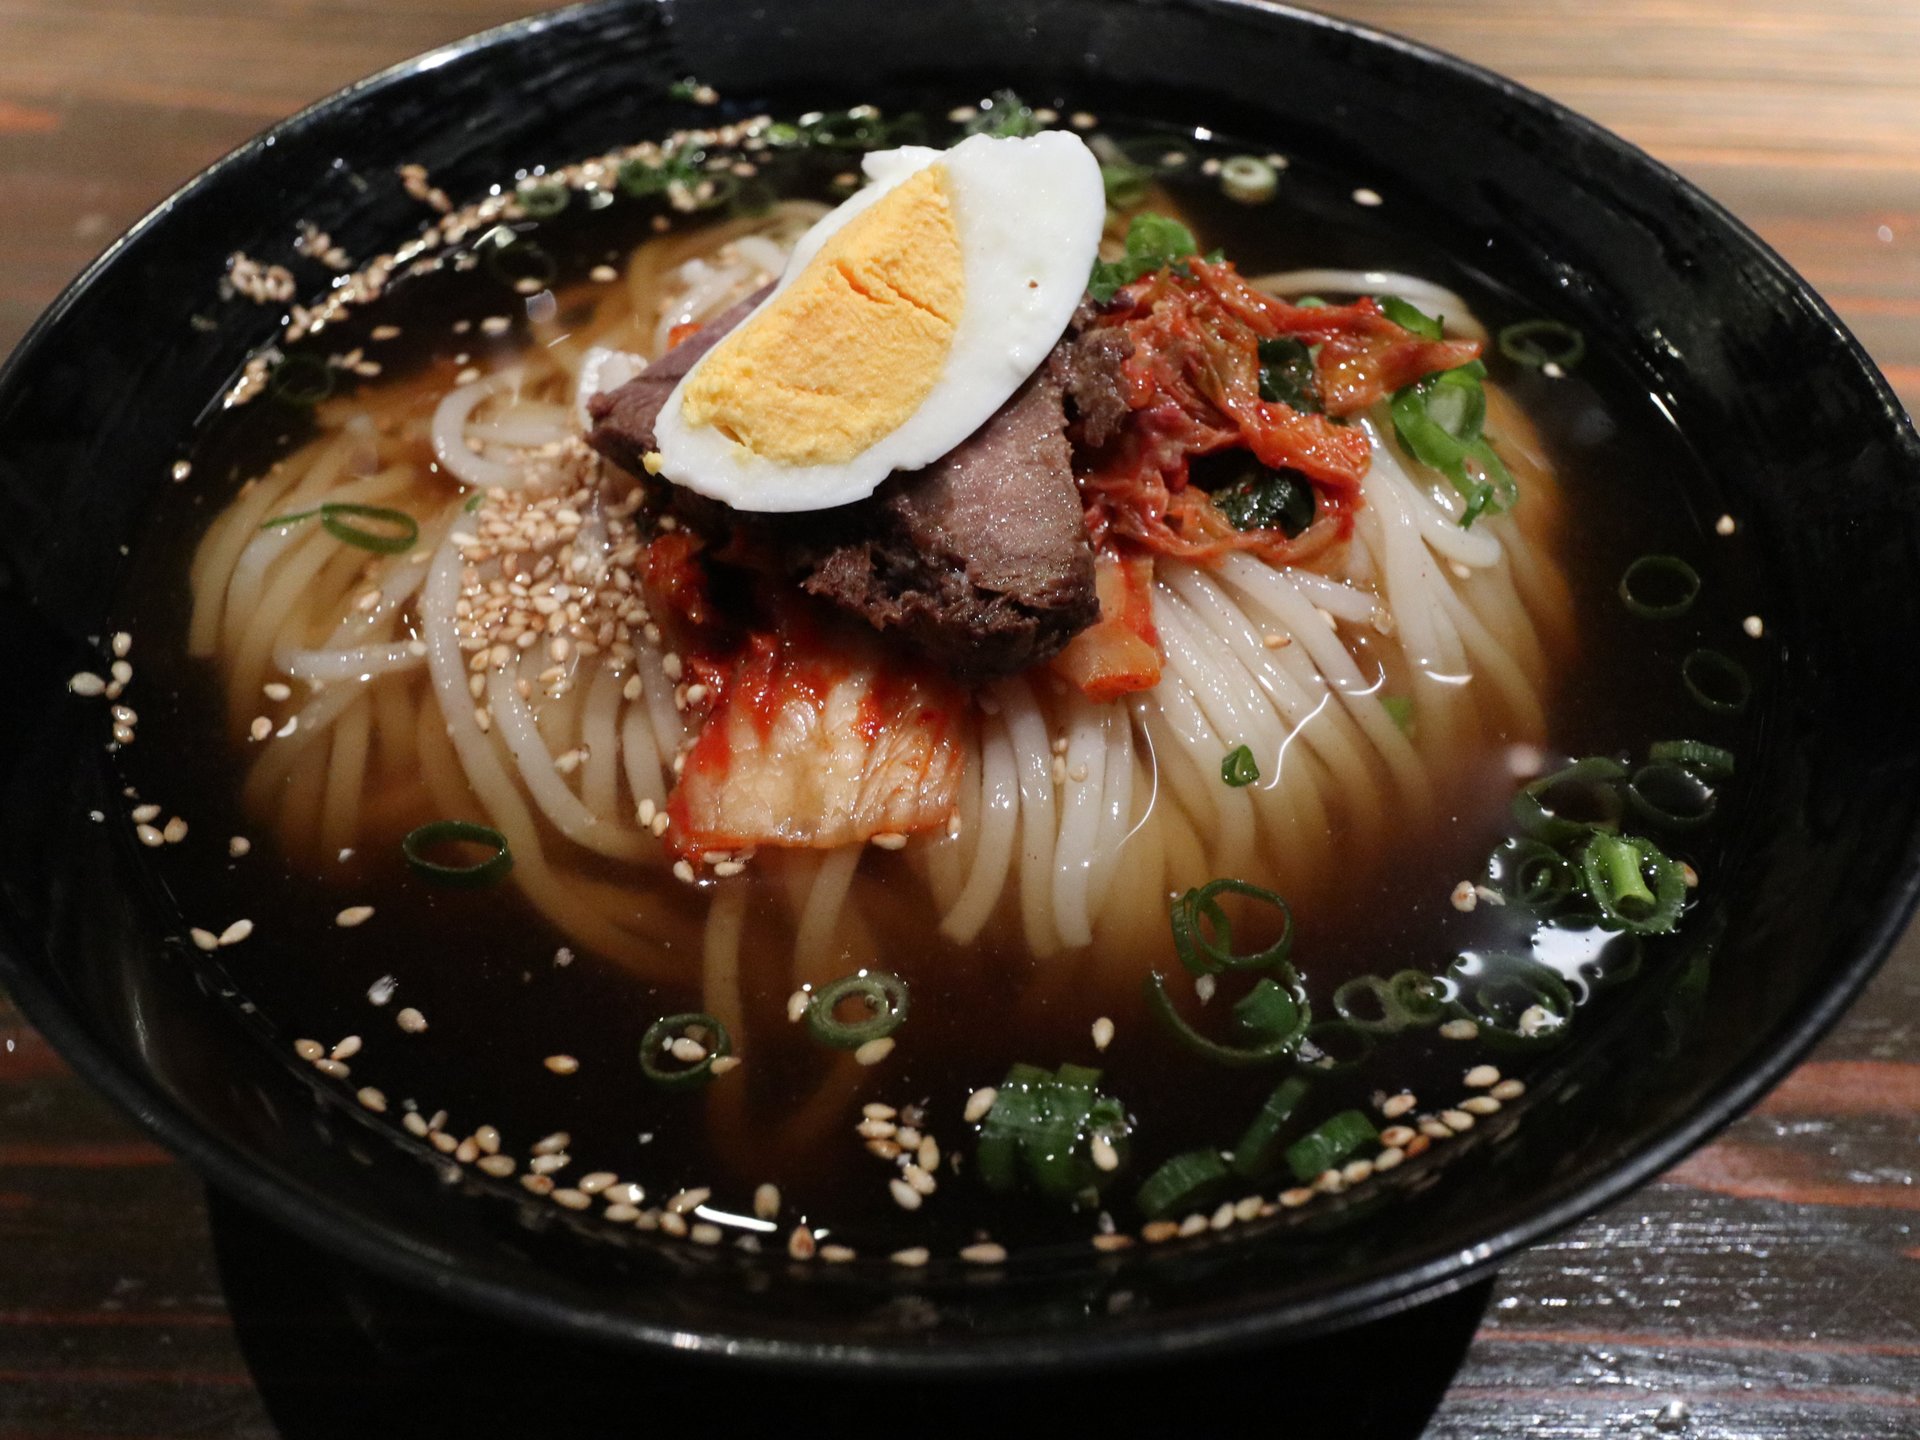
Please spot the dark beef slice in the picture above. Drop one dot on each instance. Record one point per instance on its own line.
(980, 560)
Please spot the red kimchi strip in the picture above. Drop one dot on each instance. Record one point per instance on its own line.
(819, 741)
(1120, 652)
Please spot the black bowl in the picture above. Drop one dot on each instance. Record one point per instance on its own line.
(1790, 421)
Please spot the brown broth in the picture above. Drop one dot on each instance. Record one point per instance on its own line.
(482, 965)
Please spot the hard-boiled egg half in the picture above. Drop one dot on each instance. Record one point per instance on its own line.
(905, 318)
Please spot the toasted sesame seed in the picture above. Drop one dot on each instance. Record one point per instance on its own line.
(1192, 1225)
(1456, 1120)
(1330, 1182)
(175, 831)
(1356, 1171)
(143, 814)
(621, 1214)
(1247, 1208)
(87, 683)
(415, 1122)
(411, 1020)
(466, 1152)
(1434, 1129)
(347, 1048)
(979, 1103)
(1293, 1199)
(904, 1195)
(686, 1050)
(1754, 626)
(1277, 642)
(1459, 1030)
(603, 274)
(890, 840)
(837, 1254)
(1724, 525)
(261, 727)
(1396, 1135)
(919, 1179)
(1105, 1157)
(874, 1051)
(912, 1258)
(499, 1166)
(488, 1139)
(706, 1233)
(1102, 1033)
(333, 1069)
(1480, 1105)
(548, 1164)
(877, 1111)
(239, 845)
(561, 1064)
(205, 939)
(373, 1100)
(1509, 1090)
(1110, 1243)
(552, 1144)
(1222, 1218)
(871, 1129)
(984, 1252)
(120, 672)
(572, 1199)
(689, 1200)
(723, 1063)
(236, 932)
(1158, 1231)
(353, 915)
(538, 1184)
(766, 1202)
(595, 1181)
(1464, 896)
(800, 1243)
(309, 1049)
(626, 1192)
(1368, 198)
(1389, 1158)
(277, 690)
(1398, 1105)
(149, 836)
(1482, 1076)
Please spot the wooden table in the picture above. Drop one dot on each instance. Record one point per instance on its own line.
(1768, 1287)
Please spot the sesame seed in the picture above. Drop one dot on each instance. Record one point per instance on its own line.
(333, 1069)
(1357, 1171)
(1482, 1076)
(1389, 1158)
(121, 672)
(1102, 1033)
(688, 1200)
(836, 1254)
(919, 1179)
(205, 939)
(261, 727)
(912, 1258)
(1105, 1157)
(979, 1103)
(595, 1181)
(87, 683)
(149, 836)
(723, 1063)
(1221, 1218)
(1464, 897)
(1509, 1090)
(877, 1111)
(561, 1064)
(538, 1184)
(1435, 1130)
(683, 872)
(627, 1193)
(411, 1021)
(1111, 1243)
(175, 831)
(797, 1004)
(874, 1051)
(466, 1152)
(239, 845)
(1398, 1105)
(1457, 1121)
(1277, 642)
(181, 470)
(548, 1164)
(277, 690)
(904, 1195)
(572, 1199)
(381, 991)
(1753, 626)
(890, 840)
(1193, 1225)
(1724, 525)
(553, 1144)
(1293, 1199)
(1480, 1105)
(687, 1051)
(621, 1214)
(347, 1048)
(1368, 198)
(1330, 1182)
(800, 1243)
(985, 1252)
(873, 1128)
(353, 915)
(1158, 1231)
(500, 1166)
(1459, 1030)
(706, 1233)
(142, 814)
(1396, 1135)
(309, 1050)
(415, 1123)
(373, 1100)
(236, 932)
(766, 1202)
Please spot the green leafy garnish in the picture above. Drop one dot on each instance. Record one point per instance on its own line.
(1287, 374)
(1153, 243)
(1126, 183)
(1267, 500)
(1005, 116)
(1053, 1130)
(1399, 709)
(1410, 317)
(1239, 768)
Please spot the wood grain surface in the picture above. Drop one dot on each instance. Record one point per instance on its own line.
(1768, 1287)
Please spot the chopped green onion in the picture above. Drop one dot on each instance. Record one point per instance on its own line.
(1153, 243)
(1004, 115)
(1258, 1151)
(1239, 768)
(1652, 572)
(1248, 179)
(1517, 1002)
(1044, 1125)
(1715, 682)
(474, 502)
(457, 832)
(301, 380)
(1334, 1047)
(1386, 1007)
(1530, 874)
(1329, 1144)
(1566, 804)
(1016, 1110)
(1275, 1017)
(885, 996)
(336, 520)
(1399, 709)
(1186, 1182)
(1207, 948)
(1539, 343)
(656, 1048)
(1125, 183)
(1616, 869)
(1671, 796)
(1410, 317)
(543, 202)
(1709, 761)
(683, 89)
(1439, 419)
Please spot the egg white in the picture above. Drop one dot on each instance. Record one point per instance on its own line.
(1028, 213)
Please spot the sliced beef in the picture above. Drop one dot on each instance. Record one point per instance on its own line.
(1087, 364)
(980, 560)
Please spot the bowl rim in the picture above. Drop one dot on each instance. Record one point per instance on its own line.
(349, 1233)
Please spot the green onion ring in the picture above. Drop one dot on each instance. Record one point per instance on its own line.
(442, 832)
(1254, 1157)
(301, 380)
(1274, 1046)
(332, 522)
(1386, 1007)
(1615, 869)
(1505, 987)
(663, 1032)
(886, 996)
(1329, 1144)
(1204, 954)
(1326, 1038)
(1521, 343)
(544, 201)
(1655, 786)
(1601, 777)
(1703, 667)
(1666, 565)
(1530, 874)
(1708, 761)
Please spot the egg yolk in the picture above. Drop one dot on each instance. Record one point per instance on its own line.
(847, 351)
